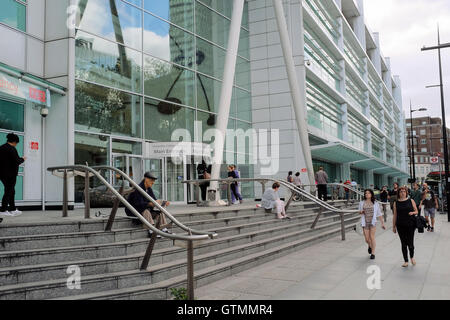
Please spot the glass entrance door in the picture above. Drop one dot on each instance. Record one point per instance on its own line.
(175, 174)
(156, 167)
(131, 165)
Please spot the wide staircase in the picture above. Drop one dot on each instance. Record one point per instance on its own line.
(35, 257)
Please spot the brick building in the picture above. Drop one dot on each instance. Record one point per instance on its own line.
(428, 142)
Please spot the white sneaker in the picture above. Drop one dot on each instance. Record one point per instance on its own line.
(6, 214)
(16, 213)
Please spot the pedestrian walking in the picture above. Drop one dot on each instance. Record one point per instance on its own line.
(322, 179)
(298, 184)
(384, 199)
(430, 203)
(289, 178)
(234, 174)
(9, 169)
(335, 190)
(347, 190)
(392, 197)
(370, 210)
(341, 191)
(404, 222)
(416, 194)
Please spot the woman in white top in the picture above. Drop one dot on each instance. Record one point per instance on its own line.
(271, 199)
(370, 210)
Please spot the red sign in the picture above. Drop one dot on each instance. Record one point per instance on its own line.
(34, 145)
(304, 170)
(434, 160)
(36, 94)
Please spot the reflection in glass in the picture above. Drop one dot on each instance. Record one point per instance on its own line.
(178, 12)
(112, 19)
(244, 44)
(126, 147)
(165, 41)
(211, 25)
(210, 59)
(159, 127)
(104, 62)
(208, 93)
(244, 107)
(14, 14)
(11, 116)
(93, 150)
(106, 110)
(225, 7)
(169, 82)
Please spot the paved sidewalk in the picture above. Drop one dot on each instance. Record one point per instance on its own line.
(337, 269)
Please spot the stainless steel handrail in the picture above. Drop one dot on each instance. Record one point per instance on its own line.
(286, 184)
(130, 207)
(162, 209)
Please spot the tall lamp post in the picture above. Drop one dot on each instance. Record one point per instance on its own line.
(444, 127)
(412, 140)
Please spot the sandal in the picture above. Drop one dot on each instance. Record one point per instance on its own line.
(405, 265)
(413, 261)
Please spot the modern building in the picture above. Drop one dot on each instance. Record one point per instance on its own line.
(428, 143)
(120, 77)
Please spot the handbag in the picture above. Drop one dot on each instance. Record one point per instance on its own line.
(421, 222)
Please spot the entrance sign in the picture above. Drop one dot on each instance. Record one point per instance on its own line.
(24, 90)
(177, 149)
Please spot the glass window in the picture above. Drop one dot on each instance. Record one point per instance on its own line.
(244, 105)
(98, 60)
(128, 147)
(211, 25)
(210, 59)
(19, 147)
(105, 110)
(169, 82)
(208, 93)
(18, 188)
(11, 116)
(165, 124)
(177, 12)
(244, 50)
(243, 73)
(225, 7)
(424, 150)
(93, 150)
(14, 14)
(165, 41)
(114, 20)
(423, 132)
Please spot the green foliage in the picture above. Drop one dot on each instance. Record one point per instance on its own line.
(179, 294)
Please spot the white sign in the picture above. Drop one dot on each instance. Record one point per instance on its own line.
(434, 160)
(176, 149)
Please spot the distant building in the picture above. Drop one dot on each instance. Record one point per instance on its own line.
(428, 142)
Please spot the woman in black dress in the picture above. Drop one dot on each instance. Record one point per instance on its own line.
(404, 222)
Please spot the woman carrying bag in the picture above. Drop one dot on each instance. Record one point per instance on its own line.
(405, 222)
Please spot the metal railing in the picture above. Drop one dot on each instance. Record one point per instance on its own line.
(193, 235)
(294, 190)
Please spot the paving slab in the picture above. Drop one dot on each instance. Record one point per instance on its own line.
(336, 269)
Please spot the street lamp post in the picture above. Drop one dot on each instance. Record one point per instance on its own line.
(444, 127)
(412, 139)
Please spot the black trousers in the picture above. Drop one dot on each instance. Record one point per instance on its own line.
(203, 187)
(322, 191)
(406, 234)
(8, 197)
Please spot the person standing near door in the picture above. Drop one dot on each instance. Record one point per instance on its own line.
(204, 172)
(9, 169)
(322, 180)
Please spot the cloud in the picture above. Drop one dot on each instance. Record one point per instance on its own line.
(405, 26)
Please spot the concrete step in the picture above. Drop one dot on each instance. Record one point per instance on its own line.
(133, 246)
(118, 280)
(55, 270)
(161, 290)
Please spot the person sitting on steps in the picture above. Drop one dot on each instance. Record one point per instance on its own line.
(145, 207)
(271, 200)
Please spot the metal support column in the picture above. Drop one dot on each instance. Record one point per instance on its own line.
(226, 93)
(299, 104)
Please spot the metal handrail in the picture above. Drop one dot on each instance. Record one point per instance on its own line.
(162, 209)
(130, 207)
(286, 184)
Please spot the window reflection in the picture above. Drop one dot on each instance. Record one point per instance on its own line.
(211, 25)
(244, 109)
(112, 19)
(165, 41)
(168, 82)
(159, 127)
(104, 62)
(179, 12)
(106, 110)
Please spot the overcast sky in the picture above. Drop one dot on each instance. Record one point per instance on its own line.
(405, 26)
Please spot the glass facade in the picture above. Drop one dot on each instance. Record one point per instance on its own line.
(146, 68)
(14, 13)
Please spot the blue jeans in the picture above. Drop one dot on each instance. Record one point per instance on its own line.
(235, 193)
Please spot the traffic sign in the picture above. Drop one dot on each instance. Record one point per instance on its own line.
(434, 160)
